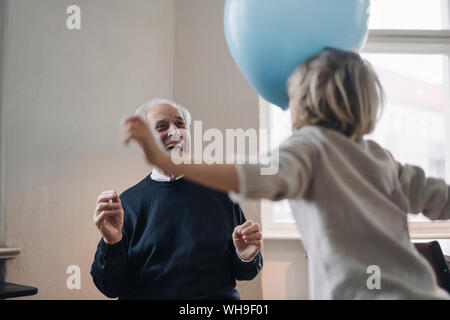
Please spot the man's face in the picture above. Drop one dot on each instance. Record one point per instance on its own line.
(169, 124)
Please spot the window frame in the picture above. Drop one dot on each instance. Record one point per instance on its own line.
(436, 42)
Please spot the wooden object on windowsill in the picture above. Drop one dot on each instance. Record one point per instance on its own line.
(8, 253)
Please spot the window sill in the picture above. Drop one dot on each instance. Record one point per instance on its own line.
(9, 253)
(297, 236)
(281, 236)
(418, 236)
(429, 230)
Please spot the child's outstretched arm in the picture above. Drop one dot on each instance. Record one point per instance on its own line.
(429, 196)
(222, 177)
(295, 161)
(218, 176)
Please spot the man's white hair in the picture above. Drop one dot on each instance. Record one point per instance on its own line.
(142, 110)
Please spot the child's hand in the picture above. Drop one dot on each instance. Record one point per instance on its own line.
(135, 128)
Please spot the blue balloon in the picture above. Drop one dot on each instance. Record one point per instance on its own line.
(268, 39)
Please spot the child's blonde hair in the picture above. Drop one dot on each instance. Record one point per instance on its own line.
(338, 90)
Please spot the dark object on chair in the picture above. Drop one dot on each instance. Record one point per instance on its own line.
(433, 253)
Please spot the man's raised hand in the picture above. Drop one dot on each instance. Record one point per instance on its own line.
(108, 216)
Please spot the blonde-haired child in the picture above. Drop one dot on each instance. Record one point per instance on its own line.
(348, 195)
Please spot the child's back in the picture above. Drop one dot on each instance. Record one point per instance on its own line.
(353, 216)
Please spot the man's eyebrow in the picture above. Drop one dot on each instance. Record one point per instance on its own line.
(160, 122)
(179, 118)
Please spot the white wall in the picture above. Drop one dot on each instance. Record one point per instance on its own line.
(64, 94)
(285, 275)
(3, 16)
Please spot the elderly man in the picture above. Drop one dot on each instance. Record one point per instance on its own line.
(168, 238)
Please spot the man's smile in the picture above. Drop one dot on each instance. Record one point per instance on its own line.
(177, 146)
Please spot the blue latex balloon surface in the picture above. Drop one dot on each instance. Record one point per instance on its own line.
(268, 39)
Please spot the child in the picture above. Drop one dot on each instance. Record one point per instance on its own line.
(348, 195)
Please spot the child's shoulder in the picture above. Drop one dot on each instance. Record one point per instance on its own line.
(317, 135)
(309, 131)
(375, 146)
(309, 137)
(378, 150)
(323, 138)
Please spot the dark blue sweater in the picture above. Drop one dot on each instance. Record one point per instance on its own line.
(176, 244)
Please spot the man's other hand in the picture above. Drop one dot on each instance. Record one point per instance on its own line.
(247, 239)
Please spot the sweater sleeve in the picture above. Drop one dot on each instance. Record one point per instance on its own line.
(429, 196)
(110, 269)
(288, 176)
(245, 270)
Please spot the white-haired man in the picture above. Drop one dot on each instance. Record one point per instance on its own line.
(168, 238)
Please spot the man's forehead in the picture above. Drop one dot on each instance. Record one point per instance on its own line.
(163, 111)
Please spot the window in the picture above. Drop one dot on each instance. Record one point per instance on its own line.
(408, 15)
(412, 125)
(409, 47)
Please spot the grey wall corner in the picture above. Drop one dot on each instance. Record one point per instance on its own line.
(3, 25)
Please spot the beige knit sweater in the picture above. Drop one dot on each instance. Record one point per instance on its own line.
(350, 200)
